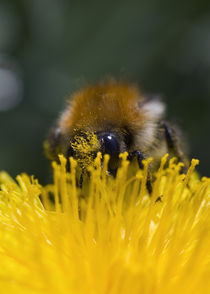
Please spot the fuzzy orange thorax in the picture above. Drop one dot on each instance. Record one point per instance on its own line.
(114, 105)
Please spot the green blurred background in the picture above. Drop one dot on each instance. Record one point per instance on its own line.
(50, 48)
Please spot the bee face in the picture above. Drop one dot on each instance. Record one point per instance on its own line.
(112, 118)
(85, 146)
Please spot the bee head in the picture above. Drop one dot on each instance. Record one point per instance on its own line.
(84, 146)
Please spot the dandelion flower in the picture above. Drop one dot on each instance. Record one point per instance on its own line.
(112, 237)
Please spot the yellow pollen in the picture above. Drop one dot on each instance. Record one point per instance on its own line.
(109, 237)
(85, 147)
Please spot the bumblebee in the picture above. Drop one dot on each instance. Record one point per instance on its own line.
(122, 119)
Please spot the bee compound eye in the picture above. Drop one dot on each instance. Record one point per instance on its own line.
(110, 145)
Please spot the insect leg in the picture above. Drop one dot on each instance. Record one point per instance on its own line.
(173, 144)
(140, 157)
(81, 178)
